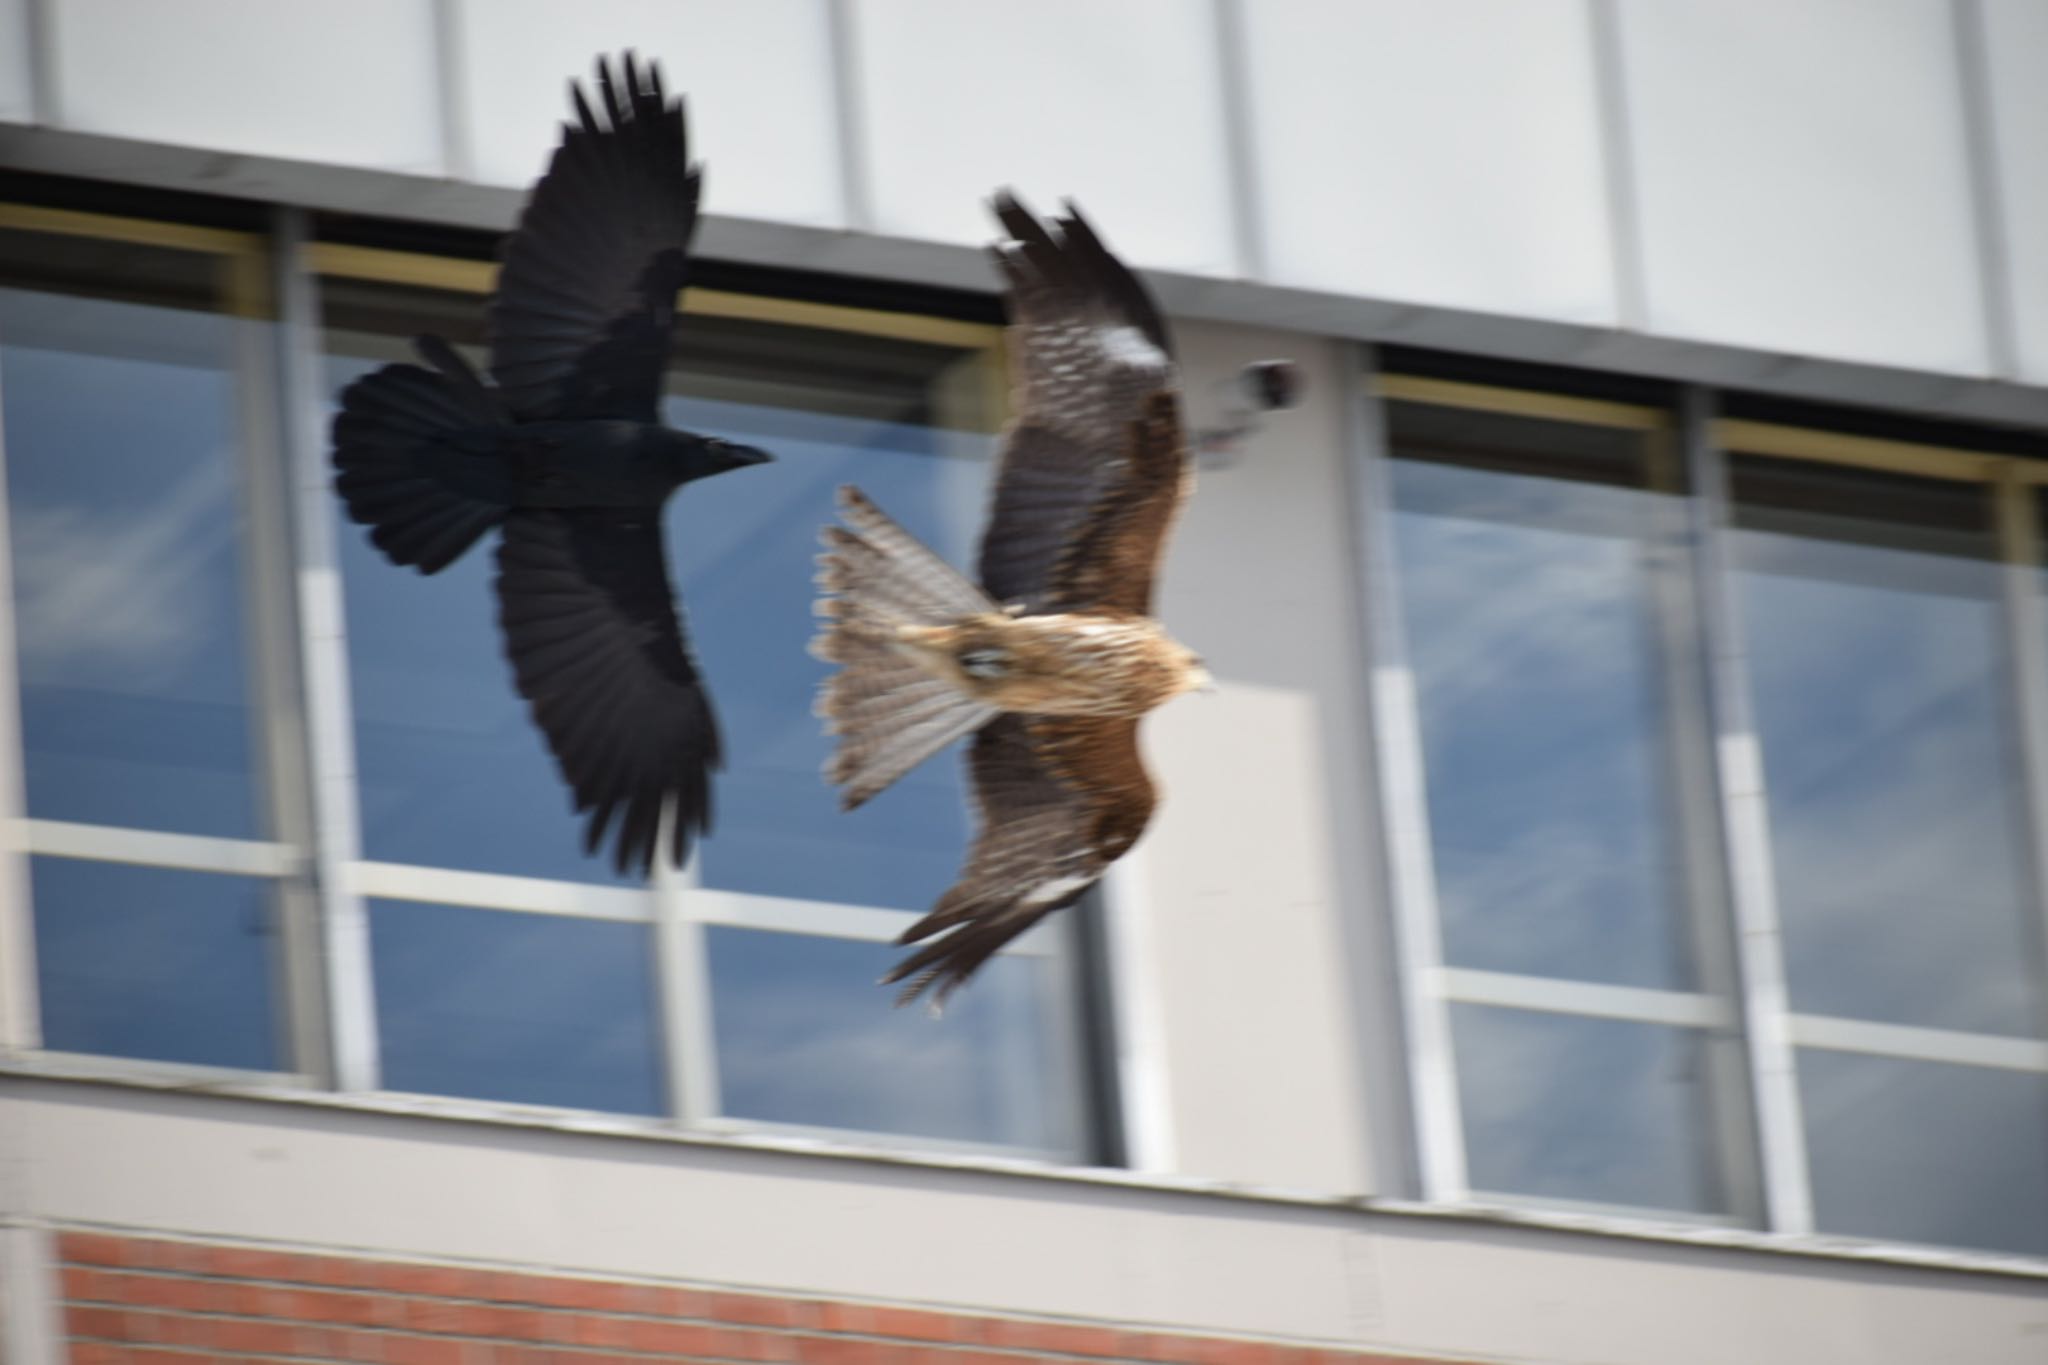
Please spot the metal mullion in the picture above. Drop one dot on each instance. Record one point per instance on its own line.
(1745, 823)
(20, 1012)
(330, 744)
(278, 724)
(1689, 742)
(683, 987)
(2020, 549)
(1404, 813)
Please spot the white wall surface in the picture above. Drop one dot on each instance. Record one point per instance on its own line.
(1802, 179)
(354, 84)
(1115, 106)
(758, 79)
(1441, 154)
(1775, 192)
(200, 1166)
(2014, 35)
(17, 95)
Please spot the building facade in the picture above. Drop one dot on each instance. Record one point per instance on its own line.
(1600, 917)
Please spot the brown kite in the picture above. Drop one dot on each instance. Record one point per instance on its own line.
(1053, 659)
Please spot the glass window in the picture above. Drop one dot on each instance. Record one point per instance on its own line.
(803, 1039)
(121, 412)
(158, 964)
(1530, 593)
(500, 1005)
(1581, 1110)
(1876, 642)
(1915, 1151)
(1542, 594)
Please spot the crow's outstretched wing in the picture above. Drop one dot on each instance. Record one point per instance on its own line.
(1095, 462)
(1060, 799)
(579, 326)
(596, 646)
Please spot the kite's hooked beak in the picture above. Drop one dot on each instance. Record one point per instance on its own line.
(1200, 681)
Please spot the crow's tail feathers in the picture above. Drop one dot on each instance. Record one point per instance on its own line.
(414, 457)
(889, 714)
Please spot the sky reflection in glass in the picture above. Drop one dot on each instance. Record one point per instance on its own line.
(1527, 601)
(1877, 660)
(150, 962)
(532, 1009)
(124, 524)
(806, 1037)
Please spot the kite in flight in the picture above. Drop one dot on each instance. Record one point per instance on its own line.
(1053, 659)
(565, 450)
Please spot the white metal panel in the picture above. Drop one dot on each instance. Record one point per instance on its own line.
(352, 84)
(1116, 106)
(2015, 46)
(1437, 154)
(757, 78)
(17, 89)
(1803, 181)
(1253, 860)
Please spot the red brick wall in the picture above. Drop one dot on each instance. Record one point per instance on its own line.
(137, 1301)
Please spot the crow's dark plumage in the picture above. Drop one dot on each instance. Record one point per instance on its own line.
(565, 450)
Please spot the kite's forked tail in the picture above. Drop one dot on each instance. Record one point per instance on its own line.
(890, 715)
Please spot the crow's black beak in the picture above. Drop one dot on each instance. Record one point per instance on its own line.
(739, 456)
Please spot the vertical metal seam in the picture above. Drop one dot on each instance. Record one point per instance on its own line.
(1402, 799)
(451, 93)
(2020, 548)
(1228, 30)
(20, 1012)
(1987, 203)
(849, 124)
(1617, 154)
(45, 107)
(1144, 1072)
(323, 645)
(1745, 822)
(277, 720)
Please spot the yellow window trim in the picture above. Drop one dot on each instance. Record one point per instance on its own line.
(142, 231)
(478, 277)
(1450, 393)
(1743, 437)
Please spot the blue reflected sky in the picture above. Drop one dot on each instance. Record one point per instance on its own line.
(805, 1036)
(1601, 1110)
(1927, 1152)
(1878, 666)
(150, 962)
(1527, 607)
(534, 1009)
(124, 524)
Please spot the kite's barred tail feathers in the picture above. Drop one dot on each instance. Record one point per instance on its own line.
(890, 715)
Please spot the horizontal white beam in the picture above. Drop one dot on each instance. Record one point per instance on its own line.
(494, 891)
(151, 848)
(1636, 1004)
(1919, 1044)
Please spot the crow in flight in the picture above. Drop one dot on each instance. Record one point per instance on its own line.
(565, 450)
(1055, 656)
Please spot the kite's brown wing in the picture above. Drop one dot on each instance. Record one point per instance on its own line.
(1061, 798)
(580, 323)
(1095, 379)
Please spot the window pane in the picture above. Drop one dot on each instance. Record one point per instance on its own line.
(500, 1005)
(1917, 1151)
(1558, 1106)
(454, 774)
(805, 1036)
(1876, 650)
(1528, 557)
(118, 394)
(153, 963)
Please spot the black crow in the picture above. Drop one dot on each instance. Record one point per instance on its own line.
(565, 450)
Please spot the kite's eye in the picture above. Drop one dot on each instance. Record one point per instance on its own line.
(985, 663)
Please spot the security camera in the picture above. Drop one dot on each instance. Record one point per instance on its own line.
(1260, 387)
(1271, 385)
